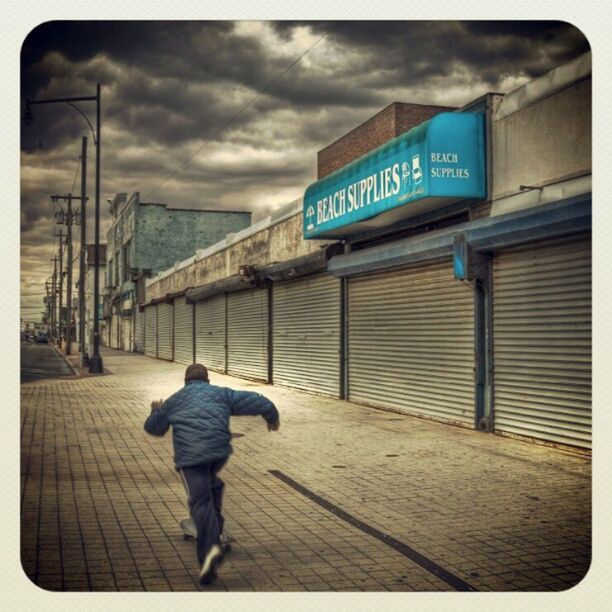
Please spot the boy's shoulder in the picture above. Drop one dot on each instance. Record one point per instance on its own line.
(207, 389)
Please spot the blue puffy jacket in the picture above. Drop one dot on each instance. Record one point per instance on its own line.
(199, 414)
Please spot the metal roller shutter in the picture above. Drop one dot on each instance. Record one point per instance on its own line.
(126, 334)
(138, 330)
(151, 331)
(411, 342)
(542, 341)
(210, 333)
(183, 331)
(247, 334)
(306, 334)
(114, 338)
(164, 331)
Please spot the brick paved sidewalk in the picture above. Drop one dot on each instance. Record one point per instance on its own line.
(344, 497)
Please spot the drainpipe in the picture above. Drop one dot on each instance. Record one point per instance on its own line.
(474, 268)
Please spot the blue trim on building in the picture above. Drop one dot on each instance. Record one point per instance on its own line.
(565, 217)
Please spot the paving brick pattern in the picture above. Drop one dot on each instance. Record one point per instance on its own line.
(101, 500)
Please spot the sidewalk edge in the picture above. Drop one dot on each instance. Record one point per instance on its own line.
(66, 361)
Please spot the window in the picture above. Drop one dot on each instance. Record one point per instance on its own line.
(126, 261)
(116, 272)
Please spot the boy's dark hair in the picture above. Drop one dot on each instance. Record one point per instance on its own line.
(196, 371)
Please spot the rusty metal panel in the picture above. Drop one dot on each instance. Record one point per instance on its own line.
(210, 333)
(183, 331)
(411, 342)
(306, 334)
(542, 341)
(150, 340)
(248, 334)
(164, 331)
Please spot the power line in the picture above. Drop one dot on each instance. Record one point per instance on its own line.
(235, 116)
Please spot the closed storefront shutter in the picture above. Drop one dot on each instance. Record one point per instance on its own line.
(126, 334)
(210, 332)
(164, 331)
(411, 342)
(247, 334)
(151, 331)
(183, 331)
(542, 341)
(115, 331)
(139, 317)
(306, 334)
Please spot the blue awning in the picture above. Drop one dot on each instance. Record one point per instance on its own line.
(440, 160)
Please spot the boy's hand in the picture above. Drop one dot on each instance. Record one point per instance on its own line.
(156, 405)
(273, 426)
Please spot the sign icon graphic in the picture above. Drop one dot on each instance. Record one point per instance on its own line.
(309, 215)
(417, 173)
(405, 174)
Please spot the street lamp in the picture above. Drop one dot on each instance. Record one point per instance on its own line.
(95, 361)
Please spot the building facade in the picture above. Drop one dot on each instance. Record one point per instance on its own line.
(444, 272)
(143, 239)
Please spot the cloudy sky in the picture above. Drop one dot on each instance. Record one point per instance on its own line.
(171, 92)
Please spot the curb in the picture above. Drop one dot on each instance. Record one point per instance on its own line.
(72, 369)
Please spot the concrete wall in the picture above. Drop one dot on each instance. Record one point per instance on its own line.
(390, 122)
(166, 235)
(275, 242)
(545, 142)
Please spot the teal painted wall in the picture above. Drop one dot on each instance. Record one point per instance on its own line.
(160, 236)
(165, 235)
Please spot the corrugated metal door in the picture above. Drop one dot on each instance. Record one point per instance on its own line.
(210, 332)
(151, 331)
(248, 333)
(114, 331)
(306, 334)
(411, 342)
(126, 334)
(139, 330)
(164, 331)
(542, 341)
(183, 331)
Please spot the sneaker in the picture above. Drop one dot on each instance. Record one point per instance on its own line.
(213, 559)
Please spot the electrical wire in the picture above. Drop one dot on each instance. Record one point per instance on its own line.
(236, 115)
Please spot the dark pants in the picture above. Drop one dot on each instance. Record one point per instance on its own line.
(205, 491)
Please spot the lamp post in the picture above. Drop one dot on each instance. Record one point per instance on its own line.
(95, 361)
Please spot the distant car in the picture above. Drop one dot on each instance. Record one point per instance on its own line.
(41, 337)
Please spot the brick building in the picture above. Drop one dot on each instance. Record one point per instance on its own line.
(143, 239)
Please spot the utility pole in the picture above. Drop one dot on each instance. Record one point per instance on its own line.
(69, 220)
(82, 309)
(61, 289)
(96, 365)
(49, 305)
(54, 297)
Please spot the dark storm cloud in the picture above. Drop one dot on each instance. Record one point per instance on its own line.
(420, 49)
(171, 93)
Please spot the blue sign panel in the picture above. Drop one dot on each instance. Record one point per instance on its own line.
(441, 158)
